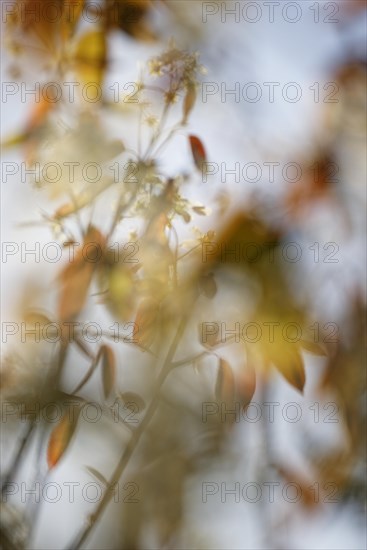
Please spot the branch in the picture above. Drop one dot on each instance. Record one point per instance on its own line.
(135, 438)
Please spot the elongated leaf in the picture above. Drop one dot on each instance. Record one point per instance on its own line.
(198, 151)
(61, 437)
(77, 276)
(312, 347)
(69, 23)
(290, 365)
(146, 322)
(189, 102)
(100, 477)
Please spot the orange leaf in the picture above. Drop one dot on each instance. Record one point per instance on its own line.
(61, 437)
(39, 113)
(146, 322)
(77, 276)
(108, 370)
(198, 151)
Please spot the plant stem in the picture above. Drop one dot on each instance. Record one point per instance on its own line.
(135, 438)
(17, 460)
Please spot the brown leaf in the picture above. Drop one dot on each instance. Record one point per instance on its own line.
(198, 151)
(189, 102)
(77, 276)
(61, 437)
(131, 398)
(129, 17)
(108, 370)
(146, 322)
(71, 18)
(36, 22)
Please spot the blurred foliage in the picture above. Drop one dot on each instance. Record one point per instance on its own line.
(169, 289)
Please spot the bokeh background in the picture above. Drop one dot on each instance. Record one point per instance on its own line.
(307, 51)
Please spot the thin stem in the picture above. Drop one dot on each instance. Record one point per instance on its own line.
(188, 252)
(135, 438)
(18, 457)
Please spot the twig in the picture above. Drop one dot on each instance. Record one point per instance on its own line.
(135, 438)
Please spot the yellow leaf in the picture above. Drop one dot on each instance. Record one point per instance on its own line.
(290, 365)
(120, 298)
(91, 57)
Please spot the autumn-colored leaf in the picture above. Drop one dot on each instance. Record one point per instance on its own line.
(35, 22)
(71, 17)
(129, 17)
(201, 210)
(35, 322)
(39, 113)
(198, 151)
(309, 497)
(225, 383)
(91, 57)
(133, 399)
(189, 102)
(108, 370)
(312, 347)
(120, 298)
(146, 322)
(61, 437)
(76, 277)
(290, 365)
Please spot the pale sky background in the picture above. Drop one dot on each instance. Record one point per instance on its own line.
(304, 52)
